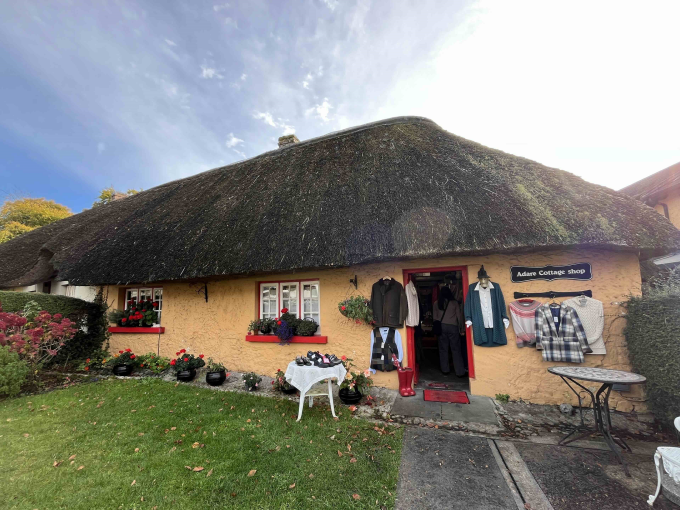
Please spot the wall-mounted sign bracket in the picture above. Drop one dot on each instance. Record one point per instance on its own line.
(355, 281)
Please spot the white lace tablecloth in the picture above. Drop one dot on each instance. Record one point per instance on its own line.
(304, 377)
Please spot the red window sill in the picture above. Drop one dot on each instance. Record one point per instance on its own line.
(296, 339)
(117, 329)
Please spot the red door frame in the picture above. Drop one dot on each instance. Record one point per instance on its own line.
(410, 337)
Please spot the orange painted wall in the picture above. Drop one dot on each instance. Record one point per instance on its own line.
(672, 200)
(218, 328)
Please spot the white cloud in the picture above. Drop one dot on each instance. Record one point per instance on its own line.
(232, 141)
(331, 4)
(210, 72)
(244, 76)
(287, 130)
(305, 84)
(218, 8)
(231, 22)
(266, 117)
(321, 110)
(101, 147)
(170, 43)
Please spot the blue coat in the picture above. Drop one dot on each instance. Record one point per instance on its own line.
(473, 312)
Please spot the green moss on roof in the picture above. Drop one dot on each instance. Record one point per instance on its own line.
(401, 188)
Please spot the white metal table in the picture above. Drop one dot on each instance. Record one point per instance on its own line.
(600, 400)
(304, 377)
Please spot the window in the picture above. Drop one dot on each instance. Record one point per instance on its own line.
(301, 298)
(141, 294)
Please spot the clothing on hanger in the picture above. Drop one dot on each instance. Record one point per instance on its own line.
(389, 303)
(591, 313)
(413, 316)
(388, 342)
(523, 313)
(485, 312)
(563, 339)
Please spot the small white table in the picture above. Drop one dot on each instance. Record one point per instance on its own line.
(304, 377)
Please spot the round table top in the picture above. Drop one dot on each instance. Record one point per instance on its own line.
(603, 375)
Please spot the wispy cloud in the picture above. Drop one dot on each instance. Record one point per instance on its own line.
(244, 76)
(279, 123)
(231, 22)
(221, 7)
(266, 117)
(321, 111)
(232, 141)
(210, 72)
(331, 4)
(170, 43)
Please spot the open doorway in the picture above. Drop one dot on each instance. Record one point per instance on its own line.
(437, 356)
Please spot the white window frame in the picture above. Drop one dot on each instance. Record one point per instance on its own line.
(279, 298)
(153, 299)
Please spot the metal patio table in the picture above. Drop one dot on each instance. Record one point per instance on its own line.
(600, 400)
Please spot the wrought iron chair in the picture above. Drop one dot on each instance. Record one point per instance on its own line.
(670, 458)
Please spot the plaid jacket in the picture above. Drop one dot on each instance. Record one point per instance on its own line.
(567, 345)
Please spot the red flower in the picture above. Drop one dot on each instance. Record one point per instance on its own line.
(278, 323)
(343, 358)
(87, 360)
(128, 350)
(276, 318)
(123, 319)
(87, 368)
(141, 366)
(173, 361)
(177, 354)
(133, 356)
(284, 310)
(200, 356)
(344, 307)
(272, 381)
(183, 351)
(121, 352)
(186, 359)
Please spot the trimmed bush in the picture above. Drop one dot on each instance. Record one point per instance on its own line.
(653, 336)
(13, 372)
(90, 319)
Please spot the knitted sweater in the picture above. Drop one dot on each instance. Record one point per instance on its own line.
(523, 314)
(591, 313)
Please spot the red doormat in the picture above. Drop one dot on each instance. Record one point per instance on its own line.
(455, 397)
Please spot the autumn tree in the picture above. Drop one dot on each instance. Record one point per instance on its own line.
(25, 214)
(109, 194)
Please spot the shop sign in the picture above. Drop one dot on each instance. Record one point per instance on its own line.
(580, 271)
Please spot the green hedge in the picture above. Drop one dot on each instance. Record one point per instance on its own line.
(653, 336)
(89, 316)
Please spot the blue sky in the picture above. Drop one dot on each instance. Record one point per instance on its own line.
(134, 94)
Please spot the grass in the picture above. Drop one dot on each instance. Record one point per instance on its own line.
(127, 444)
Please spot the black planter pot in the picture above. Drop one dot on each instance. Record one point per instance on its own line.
(349, 397)
(265, 331)
(186, 375)
(290, 390)
(216, 378)
(122, 369)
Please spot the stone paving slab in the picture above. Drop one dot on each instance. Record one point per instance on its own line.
(443, 470)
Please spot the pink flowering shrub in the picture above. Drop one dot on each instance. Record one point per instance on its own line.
(37, 340)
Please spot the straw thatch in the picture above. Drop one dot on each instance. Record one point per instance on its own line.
(395, 189)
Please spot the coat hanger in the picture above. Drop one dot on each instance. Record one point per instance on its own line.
(526, 300)
(387, 277)
(553, 303)
(582, 299)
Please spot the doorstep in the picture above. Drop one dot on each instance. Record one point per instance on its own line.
(477, 416)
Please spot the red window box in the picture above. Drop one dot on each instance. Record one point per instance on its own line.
(317, 339)
(137, 330)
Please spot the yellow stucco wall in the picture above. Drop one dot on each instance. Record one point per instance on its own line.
(218, 328)
(672, 200)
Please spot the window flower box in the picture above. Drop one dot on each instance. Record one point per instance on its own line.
(137, 330)
(317, 339)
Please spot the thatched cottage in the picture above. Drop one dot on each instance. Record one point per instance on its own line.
(401, 198)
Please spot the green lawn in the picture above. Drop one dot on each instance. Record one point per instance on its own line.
(131, 441)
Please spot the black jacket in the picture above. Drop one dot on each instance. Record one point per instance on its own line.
(388, 302)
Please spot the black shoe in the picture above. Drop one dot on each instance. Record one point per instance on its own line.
(306, 362)
(333, 359)
(299, 361)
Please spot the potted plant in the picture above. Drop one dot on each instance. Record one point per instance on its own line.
(261, 326)
(185, 365)
(123, 363)
(251, 381)
(217, 373)
(306, 327)
(354, 383)
(280, 383)
(140, 313)
(357, 308)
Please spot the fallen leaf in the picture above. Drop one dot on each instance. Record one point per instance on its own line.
(356, 496)
(81, 467)
(173, 428)
(134, 411)
(209, 473)
(233, 494)
(72, 457)
(26, 435)
(248, 420)
(291, 486)
(349, 447)
(196, 444)
(136, 450)
(134, 482)
(332, 437)
(352, 460)
(140, 434)
(188, 467)
(57, 463)
(339, 453)
(311, 476)
(252, 472)
(198, 468)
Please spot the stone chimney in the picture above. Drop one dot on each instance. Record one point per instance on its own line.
(287, 140)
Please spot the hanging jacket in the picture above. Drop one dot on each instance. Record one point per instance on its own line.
(389, 304)
(564, 339)
(413, 317)
(473, 312)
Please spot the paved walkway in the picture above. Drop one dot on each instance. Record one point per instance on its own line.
(444, 469)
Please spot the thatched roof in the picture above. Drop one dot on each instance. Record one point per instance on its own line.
(396, 189)
(654, 187)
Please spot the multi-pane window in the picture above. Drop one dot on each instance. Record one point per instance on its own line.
(301, 299)
(141, 294)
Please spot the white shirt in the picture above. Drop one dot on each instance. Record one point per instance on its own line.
(397, 340)
(485, 301)
(413, 317)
